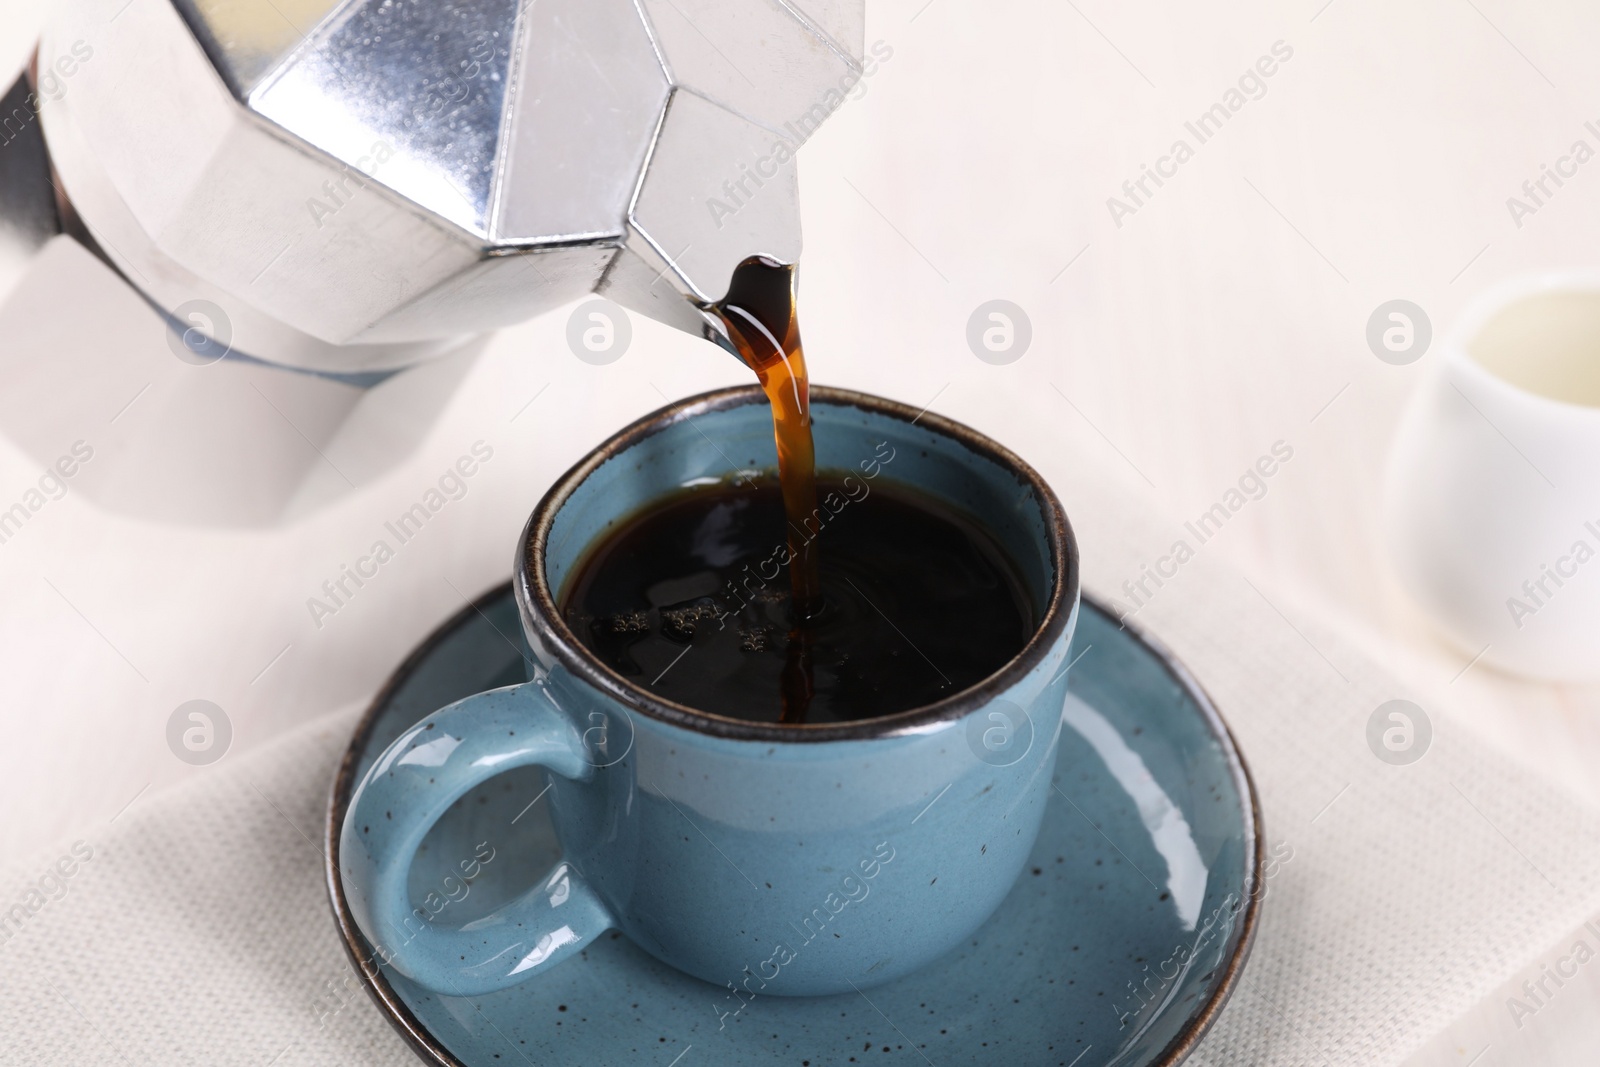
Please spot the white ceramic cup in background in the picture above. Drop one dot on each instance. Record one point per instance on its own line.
(1492, 499)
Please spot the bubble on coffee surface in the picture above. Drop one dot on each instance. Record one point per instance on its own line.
(680, 623)
(628, 622)
(755, 639)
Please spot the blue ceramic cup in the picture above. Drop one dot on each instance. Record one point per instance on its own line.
(767, 859)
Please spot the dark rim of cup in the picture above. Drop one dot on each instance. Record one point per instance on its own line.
(536, 601)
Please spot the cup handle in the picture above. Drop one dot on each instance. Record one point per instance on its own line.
(411, 785)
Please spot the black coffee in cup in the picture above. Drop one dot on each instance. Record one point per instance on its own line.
(691, 600)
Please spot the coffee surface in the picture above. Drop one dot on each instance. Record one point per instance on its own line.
(692, 600)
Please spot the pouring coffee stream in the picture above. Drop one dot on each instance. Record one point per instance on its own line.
(761, 322)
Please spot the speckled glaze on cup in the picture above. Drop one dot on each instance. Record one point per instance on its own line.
(787, 861)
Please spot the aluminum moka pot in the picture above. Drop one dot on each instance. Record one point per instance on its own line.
(350, 187)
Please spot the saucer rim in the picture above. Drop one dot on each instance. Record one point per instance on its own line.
(431, 1049)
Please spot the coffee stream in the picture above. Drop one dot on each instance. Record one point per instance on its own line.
(759, 312)
(760, 316)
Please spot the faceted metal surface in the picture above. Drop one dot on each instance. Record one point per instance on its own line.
(706, 220)
(361, 183)
(426, 78)
(590, 90)
(754, 58)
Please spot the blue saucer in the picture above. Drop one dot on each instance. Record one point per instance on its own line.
(1153, 832)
